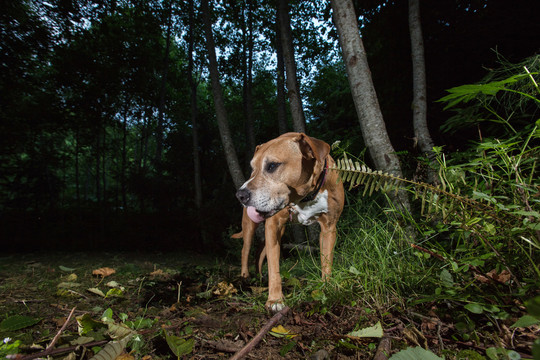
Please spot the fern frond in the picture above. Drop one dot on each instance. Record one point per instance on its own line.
(434, 199)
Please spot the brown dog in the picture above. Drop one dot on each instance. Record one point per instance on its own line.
(290, 180)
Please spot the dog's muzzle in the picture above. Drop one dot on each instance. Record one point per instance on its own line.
(243, 195)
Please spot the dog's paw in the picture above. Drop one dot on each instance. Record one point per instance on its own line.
(275, 306)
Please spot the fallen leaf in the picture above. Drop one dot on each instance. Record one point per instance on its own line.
(125, 356)
(280, 331)
(103, 272)
(257, 290)
(67, 285)
(372, 331)
(71, 277)
(66, 269)
(225, 289)
(96, 291)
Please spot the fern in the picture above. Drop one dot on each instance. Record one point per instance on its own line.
(434, 199)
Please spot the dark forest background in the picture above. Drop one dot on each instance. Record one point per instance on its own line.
(96, 145)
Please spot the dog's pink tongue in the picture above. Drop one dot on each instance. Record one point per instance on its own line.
(254, 215)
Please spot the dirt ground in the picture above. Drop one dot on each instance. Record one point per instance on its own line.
(202, 304)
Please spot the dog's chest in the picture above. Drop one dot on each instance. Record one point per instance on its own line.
(308, 212)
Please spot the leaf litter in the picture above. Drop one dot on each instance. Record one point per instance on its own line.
(162, 308)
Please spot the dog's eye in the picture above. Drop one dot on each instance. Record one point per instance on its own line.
(272, 166)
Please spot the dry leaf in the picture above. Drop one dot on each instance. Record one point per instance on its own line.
(225, 289)
(257, 290)
(280, 331)
(104, 271)
(125, 356)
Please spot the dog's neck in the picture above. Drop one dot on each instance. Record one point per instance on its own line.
(318, 186)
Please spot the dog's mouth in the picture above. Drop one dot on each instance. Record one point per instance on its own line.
(259, 216)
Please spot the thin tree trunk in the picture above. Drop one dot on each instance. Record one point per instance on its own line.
(195, 130)
(293, 86)
(161, 105)
(221, 114)
(364, 96)
(124, 161)
(77, 180)
(421, 130)
(248, 77)
(280, 99)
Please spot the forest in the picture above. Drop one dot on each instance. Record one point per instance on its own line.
(126, 128)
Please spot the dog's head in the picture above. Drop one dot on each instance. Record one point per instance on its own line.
(285, 170)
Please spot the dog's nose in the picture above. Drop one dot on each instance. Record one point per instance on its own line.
(243, 196)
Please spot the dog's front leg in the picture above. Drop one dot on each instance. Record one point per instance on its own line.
(274, 229)
(327, 241)
(248, 232)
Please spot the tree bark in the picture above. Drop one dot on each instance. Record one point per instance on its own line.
(280, 82)
(248, 79)
(419, 105)
(195, 128)
(364, 96)
(363, 92)
(293, 85)
(221, 114)
(161, 105)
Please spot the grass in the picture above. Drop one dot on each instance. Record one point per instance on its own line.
(374, 265)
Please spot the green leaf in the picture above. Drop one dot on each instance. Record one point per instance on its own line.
(446, 278)
(66, 269)
(474, 308)
(17, 322)
(372, 331)
(114, 292)
(526, 321)
(87, 324)
(96, 291)
(107, 315)
(533, 306)
(288, 347)
(179, 346)
(416, 353)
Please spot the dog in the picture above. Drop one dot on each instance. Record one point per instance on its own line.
(290, 180)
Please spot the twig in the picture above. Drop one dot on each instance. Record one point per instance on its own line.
(60, 350)
(55, 339)
(249, 346)
(383, 350)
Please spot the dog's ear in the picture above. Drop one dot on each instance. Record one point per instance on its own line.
(312, 148)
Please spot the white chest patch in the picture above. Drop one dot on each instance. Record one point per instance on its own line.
(308, 212)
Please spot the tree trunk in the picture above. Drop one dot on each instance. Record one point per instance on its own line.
(248, 79)
(195, 130)
(280, 100)
(161, 105)
(124, 161)
(421, 131)
(221, 114)
(293, 86)
(363, 92)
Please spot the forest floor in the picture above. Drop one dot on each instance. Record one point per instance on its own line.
(197, 308)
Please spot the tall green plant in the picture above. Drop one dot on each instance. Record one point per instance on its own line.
(489, 195)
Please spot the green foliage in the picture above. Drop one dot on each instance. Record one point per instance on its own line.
(17, 322)
(482, 218)
(416, 353)
(9, 348)
(507, 96)
(181, 345)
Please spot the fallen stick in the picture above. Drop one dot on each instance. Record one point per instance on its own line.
(383, 350)
(250, 345)
(59, 350)
(55, 339)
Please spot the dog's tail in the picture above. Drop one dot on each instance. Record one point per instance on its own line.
(239, 235)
